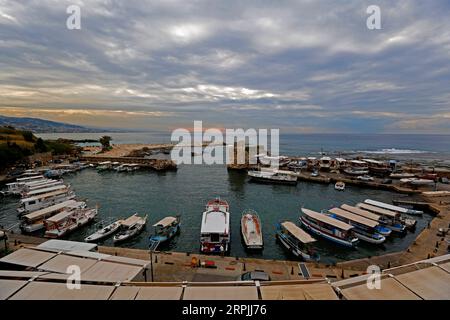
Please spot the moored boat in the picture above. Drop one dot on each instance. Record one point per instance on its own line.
(364, 229)
(297, 241)
(331, 229)
(66, 222)
(391, 218)
(392, 207)
(104, 232)
(251, 230)
(215, 228)
(340, 186)
(165, 229)
(131, 227)
(382, 227)
(34, 221)
(274, 176)
(44, 200)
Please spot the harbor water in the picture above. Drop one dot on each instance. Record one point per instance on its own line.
(186, 191)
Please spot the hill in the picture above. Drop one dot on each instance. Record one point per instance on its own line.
(44, 126)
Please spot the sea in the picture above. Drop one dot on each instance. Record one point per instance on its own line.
(187, 190)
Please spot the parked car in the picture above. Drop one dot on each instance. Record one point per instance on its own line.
(315, 174)
(387, 181)
(444, 180)
(365, 178)
(254, 276)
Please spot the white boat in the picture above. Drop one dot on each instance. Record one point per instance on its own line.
(251, 230)
(15, 188)
(215, 228)
(325, 163)
(364, 229)
(104, 232)
(37, 192)
(105, 165)
(417, 181)
(340, 186)
(65, 222)
(274, 176)
(402, 175)
(131, 227)
(44, 200)
(34, 221)
(392, 207)
(365, 178)
(40, 185)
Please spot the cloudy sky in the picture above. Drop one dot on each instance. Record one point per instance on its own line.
(301, 66)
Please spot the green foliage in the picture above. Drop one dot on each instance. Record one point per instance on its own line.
(28, 136)
(58, 147)
(40, 146)
(106, 142)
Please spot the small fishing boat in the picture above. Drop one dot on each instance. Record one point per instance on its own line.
(34, 221)
(165, 230)
(274, 176)
(215, 229)
(131, 227)
(251, 230)
(65, 222)
(331, 229)
(392, 207)
(401, 175)
(340, 186)
(104, 232)
(297, 241)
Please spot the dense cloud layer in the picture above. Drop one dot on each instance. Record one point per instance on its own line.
(302, 66)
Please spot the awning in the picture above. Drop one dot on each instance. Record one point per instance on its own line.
(167, 221)
(297, 232)
(220, 293)
(327, 220)
(314, 291)
(354, 217)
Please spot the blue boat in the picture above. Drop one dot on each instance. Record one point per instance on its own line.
(165, 230)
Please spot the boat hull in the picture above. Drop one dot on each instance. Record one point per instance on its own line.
(365, 238)
(272, 181)
(251, 232)
(295, 251)
(327, 236)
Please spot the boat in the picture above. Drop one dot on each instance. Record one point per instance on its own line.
(44, 200)
(40, 185)
(131, 227)
(274, 176)
(364, 229)
(37, 192)
(66, 222)
(340, 186)
(365, 178)
(392, 207)
(382, 227)
(251, 230)
(165, 230)
(417, 181)
(16, 188)
(297, 241)
(378, 168)
(325, 163)
(401, 175)
(34, 221)
(391, 218)
(215, 228)
(104, 232)
(330, 229)
(409, 223)
(105, 165)
(356, 168)
(122, 168)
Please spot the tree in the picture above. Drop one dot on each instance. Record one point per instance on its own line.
(28, 136)
(106, 143)
(40, 145)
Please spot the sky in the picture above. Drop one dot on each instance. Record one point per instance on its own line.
(309, 66)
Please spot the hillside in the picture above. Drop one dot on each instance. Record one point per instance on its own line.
(44, 126)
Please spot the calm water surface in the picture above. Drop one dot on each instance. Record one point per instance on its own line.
(186, 192)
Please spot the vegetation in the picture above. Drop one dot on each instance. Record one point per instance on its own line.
(106, 143)
(16, 145)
